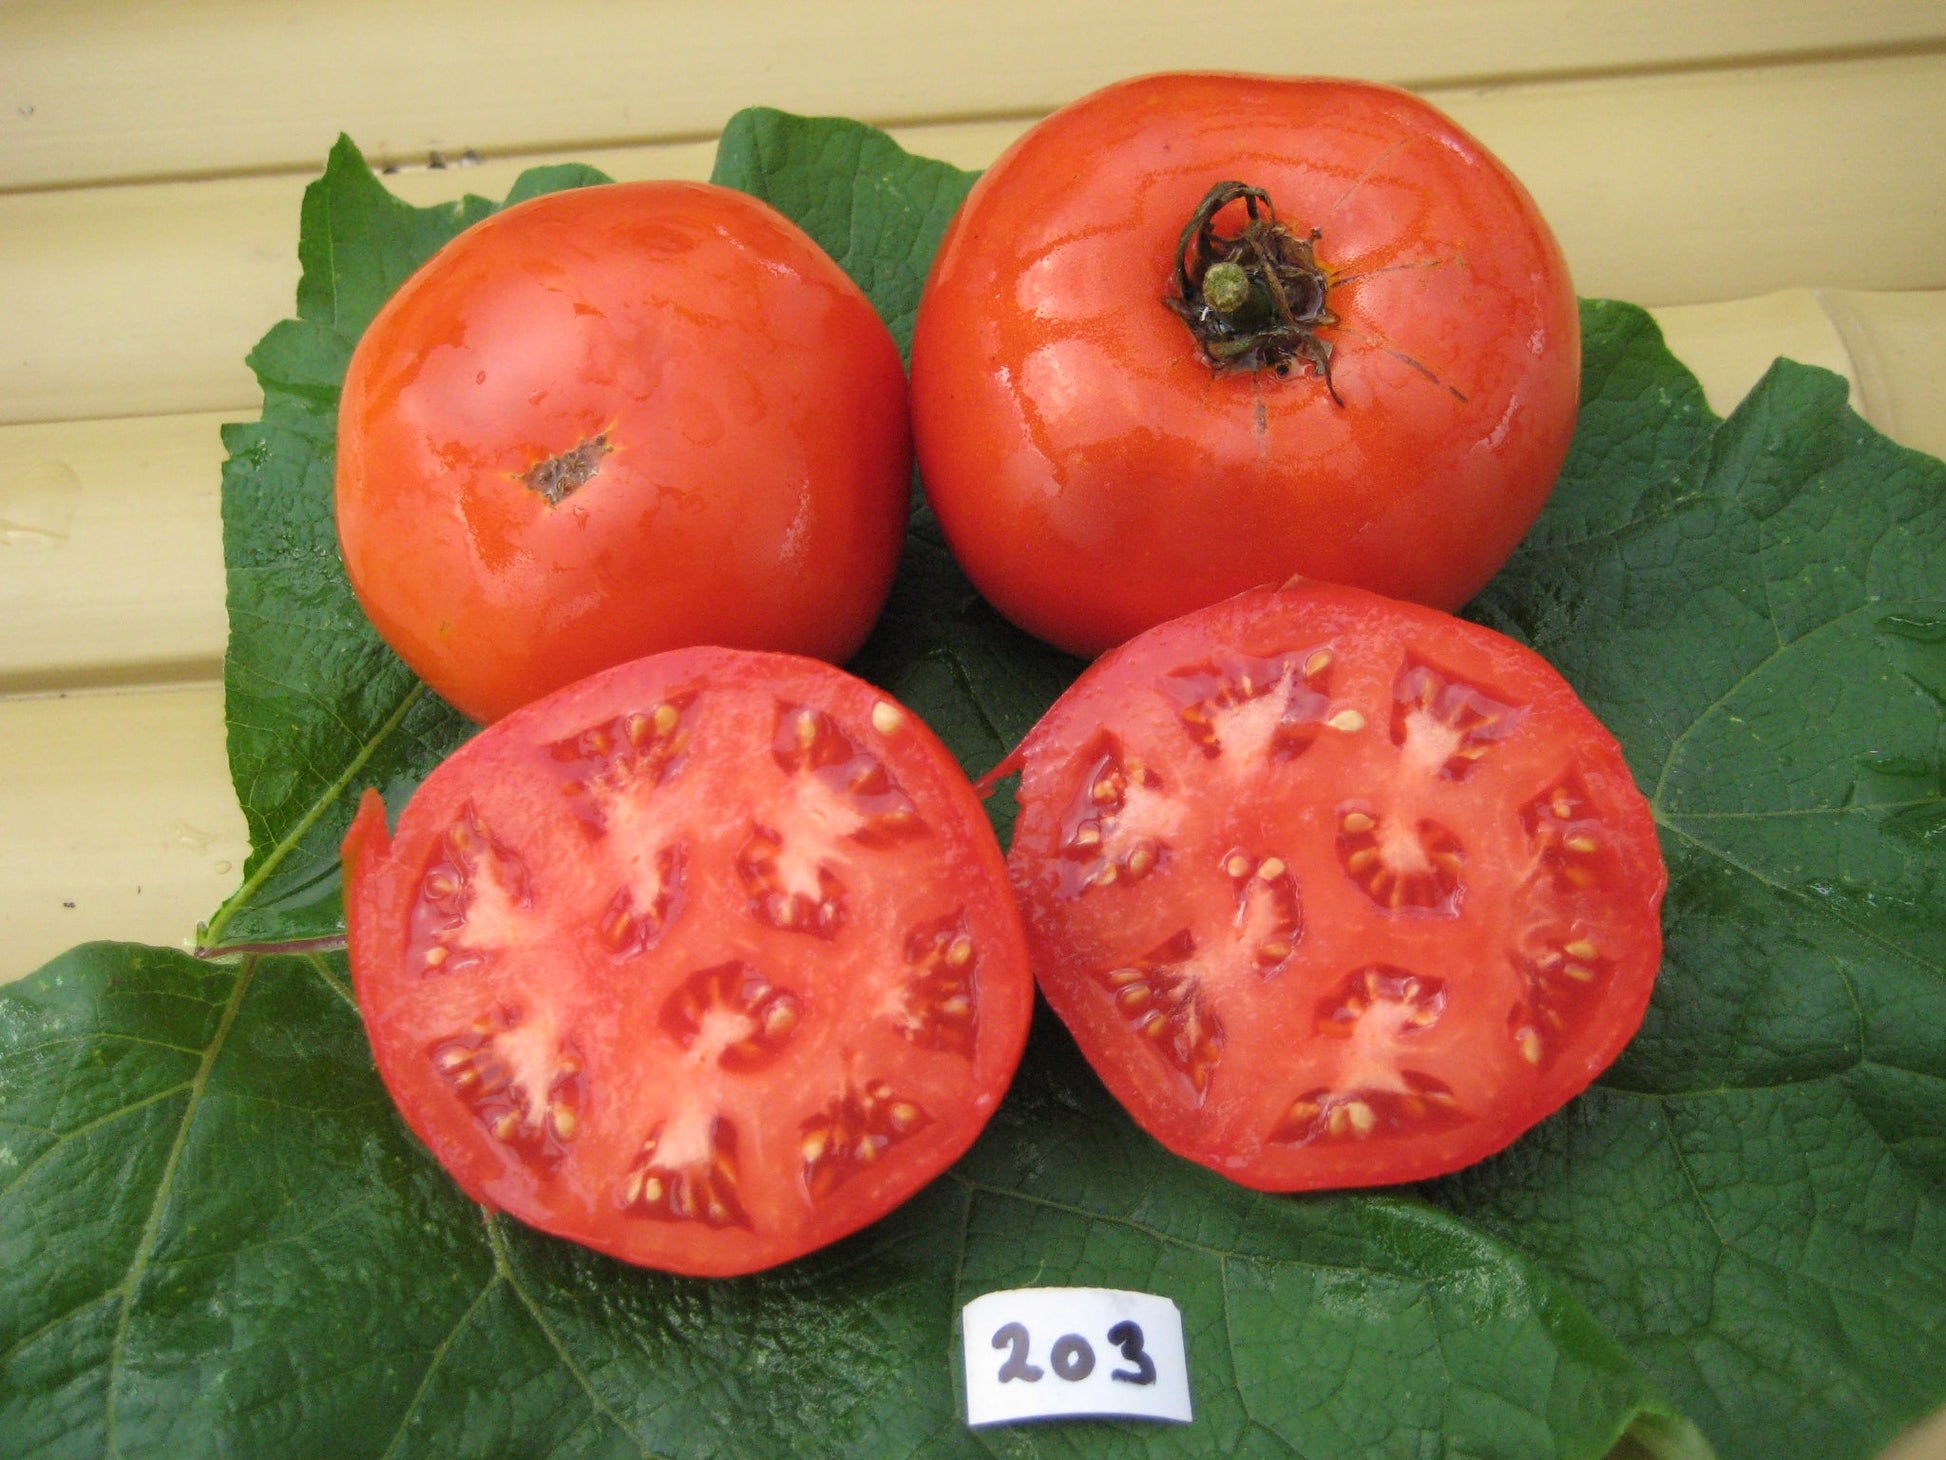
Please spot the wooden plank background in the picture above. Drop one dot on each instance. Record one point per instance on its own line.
(1769, 175)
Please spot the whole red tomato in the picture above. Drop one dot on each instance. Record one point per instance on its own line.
(618, 420)
(1137, 390)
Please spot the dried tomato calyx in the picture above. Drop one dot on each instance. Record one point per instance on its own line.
(1254, 299)
(558, 477)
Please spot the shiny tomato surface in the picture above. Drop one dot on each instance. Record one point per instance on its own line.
(1096, 472)
(704, 962)
(1335, 890)
(616, 420)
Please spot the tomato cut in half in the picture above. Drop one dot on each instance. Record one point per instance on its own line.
(1335, 890)
(704, 962)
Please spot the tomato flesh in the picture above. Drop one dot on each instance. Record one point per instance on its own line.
(1334, 890)
(703, 962)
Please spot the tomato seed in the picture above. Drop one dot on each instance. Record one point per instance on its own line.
(780, 1018)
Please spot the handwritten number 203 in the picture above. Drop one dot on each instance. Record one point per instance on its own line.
(1072, 1356)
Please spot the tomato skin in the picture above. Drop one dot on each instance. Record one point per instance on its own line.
(589, 907)
(751, 445)
(1096, 476)
(1310, 940)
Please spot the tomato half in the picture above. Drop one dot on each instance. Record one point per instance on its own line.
(617, 420)
(1335, 890)
(1385, 397)
(704, 962)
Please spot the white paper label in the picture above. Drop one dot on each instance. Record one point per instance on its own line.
(1037, 1353)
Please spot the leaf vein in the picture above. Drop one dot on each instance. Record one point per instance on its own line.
(434, 1359)
(152, 1226)
(1850, 924)
(503, 1265)
(27, 1340)
(1789, 813)
(1146, 1229)
(61, 1138)
(1750, 673)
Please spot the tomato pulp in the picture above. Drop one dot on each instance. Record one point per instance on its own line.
(1334, 890)
(617, 420)
(704, 962)
(1094, 468)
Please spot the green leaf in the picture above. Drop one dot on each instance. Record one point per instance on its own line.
(555, 178)
(220, 1240)
(870, 204)
(1754, 1197)
(317, 706)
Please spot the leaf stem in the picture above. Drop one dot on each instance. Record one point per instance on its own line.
(329, 943)
(209, 941)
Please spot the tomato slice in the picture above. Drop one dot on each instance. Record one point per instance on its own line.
(704, 962)
(1335, 890)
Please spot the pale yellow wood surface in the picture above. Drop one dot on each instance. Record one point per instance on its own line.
(1897, 345)
(1730, 345)
(116, 820)
(122, 89)
(1679, 188)
(111, 552)
(1769, 174)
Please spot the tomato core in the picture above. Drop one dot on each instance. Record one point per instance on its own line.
(1254, 299)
